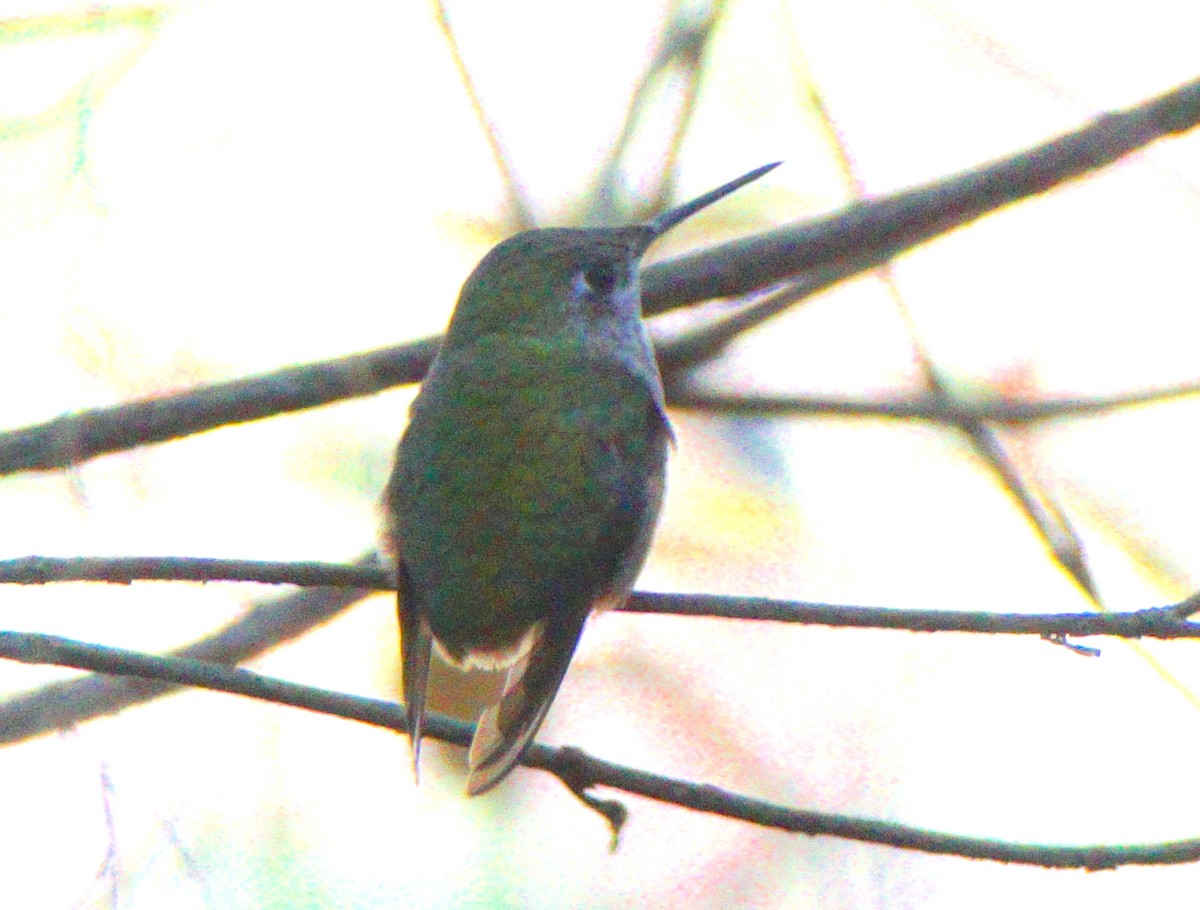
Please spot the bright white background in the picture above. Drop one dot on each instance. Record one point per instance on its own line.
(207, 189)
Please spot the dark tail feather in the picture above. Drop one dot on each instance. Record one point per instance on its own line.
(506, 729)
(416, 646)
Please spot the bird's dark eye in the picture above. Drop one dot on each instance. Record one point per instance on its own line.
(602, 277)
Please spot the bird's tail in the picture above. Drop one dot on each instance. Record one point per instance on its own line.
(506, 729)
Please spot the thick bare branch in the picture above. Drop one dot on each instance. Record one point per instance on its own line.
(874, 230)
(854, 240)
(78, 437)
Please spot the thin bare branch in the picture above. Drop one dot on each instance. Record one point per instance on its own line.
(579, 771)
(995, 409)
(1045, 513)
(681, 51)
(518, 204)
(1043, 510)
(708, 340)
(62, 705)
(1157, 622)
(123, 570)
(1165, 622)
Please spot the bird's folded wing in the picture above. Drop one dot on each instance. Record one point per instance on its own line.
(416, 646)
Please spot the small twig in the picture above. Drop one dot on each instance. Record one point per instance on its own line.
(571, 768)
(1075, 648)
(1188, 608)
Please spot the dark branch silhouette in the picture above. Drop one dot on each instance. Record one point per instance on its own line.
(874, 230)
(856, 239)
(122, 570)
(579, 771)
(1166, 622)
(681, 396)
(1035, 500)
(62, 705)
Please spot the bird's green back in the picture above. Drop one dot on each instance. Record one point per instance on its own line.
(531, 472)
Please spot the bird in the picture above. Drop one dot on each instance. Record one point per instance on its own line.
(530, 476)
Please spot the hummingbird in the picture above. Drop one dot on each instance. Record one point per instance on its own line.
(529, 479)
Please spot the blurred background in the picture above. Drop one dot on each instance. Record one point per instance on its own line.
(204, 189)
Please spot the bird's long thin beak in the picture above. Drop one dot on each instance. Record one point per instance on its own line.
(668, 219)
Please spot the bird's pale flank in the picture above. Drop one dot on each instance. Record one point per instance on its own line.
(529, 480)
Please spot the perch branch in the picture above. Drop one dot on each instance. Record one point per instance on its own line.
(579, 771)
